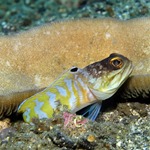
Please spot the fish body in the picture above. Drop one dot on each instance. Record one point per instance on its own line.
(78, 88)
(68, 90)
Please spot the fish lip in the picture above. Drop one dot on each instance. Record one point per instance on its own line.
(131, 67)
(127, 72)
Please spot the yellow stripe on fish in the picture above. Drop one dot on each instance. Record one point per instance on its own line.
(78, 88)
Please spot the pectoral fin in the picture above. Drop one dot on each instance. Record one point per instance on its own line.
(91, 112)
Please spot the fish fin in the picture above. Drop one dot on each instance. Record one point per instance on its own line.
(82, 106)
(91, 112)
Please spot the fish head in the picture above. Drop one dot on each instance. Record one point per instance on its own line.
(106, 76)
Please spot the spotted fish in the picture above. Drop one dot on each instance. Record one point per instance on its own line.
(78, 88)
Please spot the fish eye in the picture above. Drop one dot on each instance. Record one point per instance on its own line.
(116, 62)
(74, 69)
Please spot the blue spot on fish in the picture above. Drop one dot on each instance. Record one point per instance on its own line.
(38, 110)
(52, 99)
(72, 99)
(27, 114)
(61, 90)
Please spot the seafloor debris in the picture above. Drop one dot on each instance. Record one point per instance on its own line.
(4, 124)
(5, 130)
(67, 130)
(113, 130)
(6, 134)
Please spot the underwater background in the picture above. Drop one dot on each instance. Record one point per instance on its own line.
(132, 132)
(18, 15)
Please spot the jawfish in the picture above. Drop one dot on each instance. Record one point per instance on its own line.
(77, 88)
